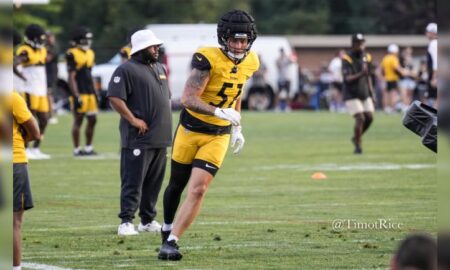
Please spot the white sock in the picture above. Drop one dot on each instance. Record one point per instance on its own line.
(77, 150)
(17, 267)
(172, 237)
(88, 148)
(167, 227)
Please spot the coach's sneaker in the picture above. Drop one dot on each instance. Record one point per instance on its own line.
(126, 229)
(164, 236)
(153, 226)
(169, 251)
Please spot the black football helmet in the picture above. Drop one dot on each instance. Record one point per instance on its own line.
(35, 36)
(237, 24)
(82, 37)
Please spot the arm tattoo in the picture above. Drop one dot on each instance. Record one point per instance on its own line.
(195, 85)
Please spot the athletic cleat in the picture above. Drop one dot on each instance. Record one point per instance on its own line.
(79, 153)
(30, 153)
(358, 149)
(53, 121)
(164, 236)
(89, 153)
(36, 154)
(169, 251)
(126, 229)
(153, 226)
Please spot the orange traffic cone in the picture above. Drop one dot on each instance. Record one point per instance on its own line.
(318, 176)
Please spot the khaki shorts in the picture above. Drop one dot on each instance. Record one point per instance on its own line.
(356, 105)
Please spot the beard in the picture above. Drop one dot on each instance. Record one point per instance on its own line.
(148, 57)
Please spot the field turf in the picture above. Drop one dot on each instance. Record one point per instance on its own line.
(262, 211)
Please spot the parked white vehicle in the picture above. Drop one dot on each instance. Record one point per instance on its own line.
(180, 43)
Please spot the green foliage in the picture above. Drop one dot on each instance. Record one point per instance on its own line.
(112, 20)
(291, 16)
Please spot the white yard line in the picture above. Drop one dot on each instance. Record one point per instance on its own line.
(39, 266)
(344, 167)
(100, 156)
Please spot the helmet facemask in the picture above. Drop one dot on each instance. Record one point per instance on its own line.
(82, 38)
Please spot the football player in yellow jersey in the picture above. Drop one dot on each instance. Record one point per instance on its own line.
(392, 72)
(212, 101)
(31, 55)
(25, 128)
(125, 53)
(80, 60)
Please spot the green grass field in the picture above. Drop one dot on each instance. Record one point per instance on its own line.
(263, 210)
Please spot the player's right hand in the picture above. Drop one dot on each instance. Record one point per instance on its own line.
(228, 114)
(78, 102)
(140, 125)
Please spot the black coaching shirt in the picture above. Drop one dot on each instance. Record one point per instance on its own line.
(145, 90)
(351, 64)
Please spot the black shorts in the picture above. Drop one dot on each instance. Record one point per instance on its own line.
(23, 199)
(338, 86)
(393, 85)
(431, 92)
(284, 86)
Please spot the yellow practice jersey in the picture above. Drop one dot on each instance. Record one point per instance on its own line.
(6, 69)
(34, 69)
(226, 80)
(81, 62)
(125, 52)
(21, 114)
(81, 58)
(389, 64)
(6, 55)
(35, 57)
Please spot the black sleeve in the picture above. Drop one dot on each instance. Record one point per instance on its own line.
(118, 85)
(200, 62)
(70, 60)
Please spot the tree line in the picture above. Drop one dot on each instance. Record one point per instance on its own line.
(112, 20)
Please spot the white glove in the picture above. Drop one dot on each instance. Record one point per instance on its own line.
(237, 139)
(228, 114)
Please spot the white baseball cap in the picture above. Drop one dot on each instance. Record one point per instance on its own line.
(393, 48)
(432, 28)
(143, 39)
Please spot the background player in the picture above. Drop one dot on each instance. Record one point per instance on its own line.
(80, 60)
(31, 55)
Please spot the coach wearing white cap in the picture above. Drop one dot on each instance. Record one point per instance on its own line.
(432, 53)
(139, 92)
